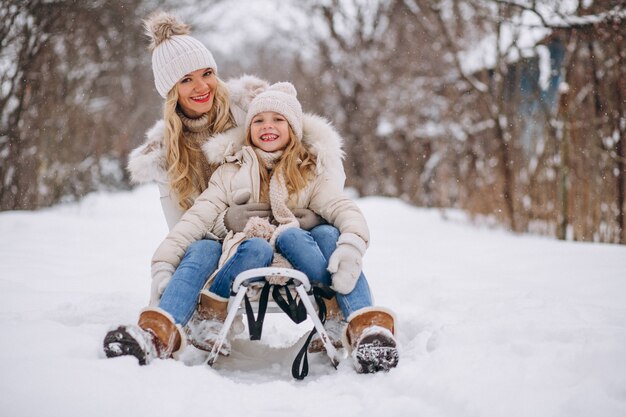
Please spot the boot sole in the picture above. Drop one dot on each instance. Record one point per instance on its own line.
(119, 342)
(375, 354)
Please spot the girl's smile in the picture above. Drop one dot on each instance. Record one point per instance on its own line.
(269, 131)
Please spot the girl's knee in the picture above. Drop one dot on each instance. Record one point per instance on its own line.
(258, 248)
(289, 236)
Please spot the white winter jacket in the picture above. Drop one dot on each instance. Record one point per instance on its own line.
(241, 174)
(147, 162)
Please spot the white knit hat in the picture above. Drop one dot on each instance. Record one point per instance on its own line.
(280, 98)
(174, 52)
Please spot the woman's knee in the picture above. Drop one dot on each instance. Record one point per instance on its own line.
(257, 248)
(325, 232)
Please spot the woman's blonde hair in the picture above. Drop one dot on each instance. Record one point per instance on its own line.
(296, 164)
(187, 168)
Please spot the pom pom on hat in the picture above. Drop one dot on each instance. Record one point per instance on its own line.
(174, 52)
(161, 26)
(284, 87)
(280, 98)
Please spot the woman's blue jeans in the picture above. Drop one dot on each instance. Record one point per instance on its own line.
(252, 253)
(180, 297)
(309, 252)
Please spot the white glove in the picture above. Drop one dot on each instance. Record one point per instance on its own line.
(161, 275)
(346, 262)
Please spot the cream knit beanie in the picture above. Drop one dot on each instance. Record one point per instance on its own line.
(279, 98)
(174, 52)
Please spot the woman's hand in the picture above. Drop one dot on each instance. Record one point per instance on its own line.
(161, 275)
(308, 219)
(346, 262)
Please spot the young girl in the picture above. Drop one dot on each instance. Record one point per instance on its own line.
(275, 167)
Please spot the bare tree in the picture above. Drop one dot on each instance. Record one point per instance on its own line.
(74, 72)
(372, 76)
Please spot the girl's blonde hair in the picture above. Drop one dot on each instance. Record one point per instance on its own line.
(187, 168)
(296, 164)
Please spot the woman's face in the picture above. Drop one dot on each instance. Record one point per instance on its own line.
(269, 131)
(196, 92)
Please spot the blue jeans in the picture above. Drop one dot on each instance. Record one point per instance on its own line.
(252, 253)
(309, 252)
(180, 297)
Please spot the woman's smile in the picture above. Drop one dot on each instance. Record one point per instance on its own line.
(203, 98)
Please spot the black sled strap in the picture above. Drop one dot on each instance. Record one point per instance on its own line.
(300, 365)
(255, 326)
(295, 310)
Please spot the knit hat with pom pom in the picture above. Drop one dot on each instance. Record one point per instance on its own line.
(174, 52)
(280, 98)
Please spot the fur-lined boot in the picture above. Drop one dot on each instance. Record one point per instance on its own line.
(207, 322)
(334, 326)
(370, 339)
(155, 336)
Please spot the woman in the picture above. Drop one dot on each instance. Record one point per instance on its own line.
(275, 167)
(197, 106)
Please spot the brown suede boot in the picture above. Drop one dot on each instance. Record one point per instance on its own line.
(207, 322)
(370, 338)
(168, 338)
(155, 336)
(334, 326)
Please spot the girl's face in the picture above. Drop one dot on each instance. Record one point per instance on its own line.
(269, 131)
(196, 92)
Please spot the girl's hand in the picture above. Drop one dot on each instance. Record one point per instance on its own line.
(237, 216)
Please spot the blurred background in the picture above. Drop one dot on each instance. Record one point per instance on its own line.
(511, 110)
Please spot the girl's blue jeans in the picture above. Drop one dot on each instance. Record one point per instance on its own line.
(309, 251)
(180, 298)
(252, 253)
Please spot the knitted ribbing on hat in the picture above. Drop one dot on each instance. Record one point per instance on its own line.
(278, 194)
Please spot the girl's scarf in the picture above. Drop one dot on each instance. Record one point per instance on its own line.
(278, 194)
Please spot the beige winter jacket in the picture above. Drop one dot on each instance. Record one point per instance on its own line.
(241, 174)
(147, 162)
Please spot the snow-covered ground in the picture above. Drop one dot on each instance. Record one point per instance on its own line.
(490, 324)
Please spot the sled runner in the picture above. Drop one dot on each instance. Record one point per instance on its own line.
(297, 309)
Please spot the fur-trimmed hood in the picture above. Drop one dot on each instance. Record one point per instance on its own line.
(319, 137)
(147, 162)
